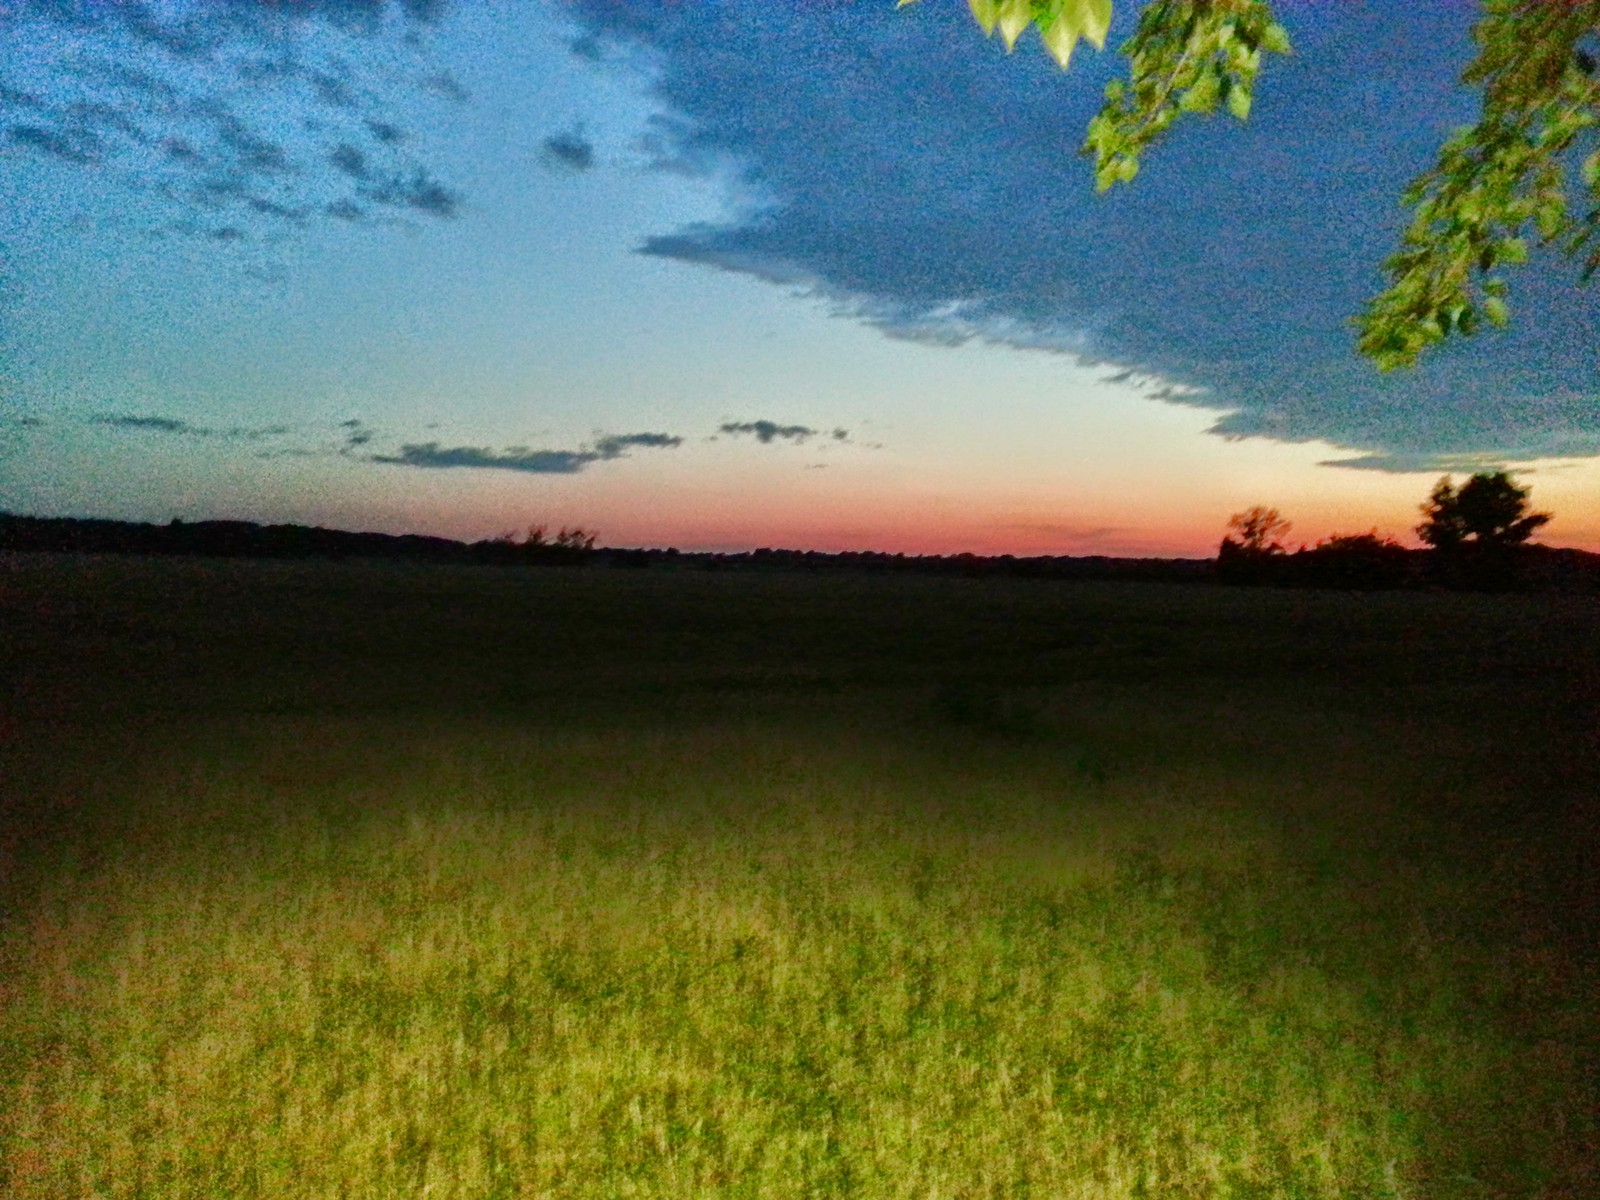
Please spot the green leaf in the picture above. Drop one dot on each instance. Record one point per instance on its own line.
(1276, 39)
(1202, 96)
(1591, 169)
(1551, 216)
(1511, 250)
(985, 12)
(1239, 101)
(1496, 309)
(1072, 19)
(1094, 17)
(1060, 37)
(1015, 16)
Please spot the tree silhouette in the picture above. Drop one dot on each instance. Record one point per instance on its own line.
(1488, 510)
(1257, 530)
(1248, 552)
(1478, 529)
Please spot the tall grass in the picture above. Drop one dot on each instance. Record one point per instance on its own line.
(994, 940)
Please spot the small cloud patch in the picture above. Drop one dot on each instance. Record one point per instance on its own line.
(356, 434)
(129, 423)
(569, 151)
(767, 432)
(433, 455)
(151, 425)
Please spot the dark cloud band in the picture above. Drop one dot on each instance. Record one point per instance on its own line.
(929, 184)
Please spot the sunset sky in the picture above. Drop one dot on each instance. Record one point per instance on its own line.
(734, 273)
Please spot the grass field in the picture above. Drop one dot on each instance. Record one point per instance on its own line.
(363, 880)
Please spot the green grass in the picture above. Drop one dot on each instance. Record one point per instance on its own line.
(355, 881)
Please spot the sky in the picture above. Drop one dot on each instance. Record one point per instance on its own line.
(821, 274)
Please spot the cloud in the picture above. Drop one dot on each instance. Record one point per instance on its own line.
(1076, 535)
(182, 428)
(537, 462)
(331, 89)
(418, 192)
(767, 431)
(1432, 464)
(349, 159)
(614, 445)
(73, 145)
(568, 151)
(384, 131)
(347, 210)
(151, 425)
(444, 84)
(356, 434)
(520, 458)
(12, 98)
(243, 116)
(256, 434)
(915, 176)
(1441, 464)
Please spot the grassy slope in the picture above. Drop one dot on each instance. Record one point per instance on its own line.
(357, 879)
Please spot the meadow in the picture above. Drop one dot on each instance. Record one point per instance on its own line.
(370, 880)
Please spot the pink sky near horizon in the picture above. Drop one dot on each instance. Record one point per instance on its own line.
(722, 515)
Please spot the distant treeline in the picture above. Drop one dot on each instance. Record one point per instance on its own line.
(247, 539)
(1367, 563)
(1356, 563)
(1352, 563)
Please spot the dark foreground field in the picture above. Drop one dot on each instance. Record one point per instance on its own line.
(365, 880)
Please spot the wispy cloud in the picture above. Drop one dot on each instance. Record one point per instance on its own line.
(73, 144)
(1068, 534)
(928, 184)
(1432, 464)
(1436, 464)
(614, 445)
(356, 434)
(443, 83)
(766, 431)
(247, 116)
(151, 424)
(129, 423)
(521, 458)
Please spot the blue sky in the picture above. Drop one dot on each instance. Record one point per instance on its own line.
(729, 274)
